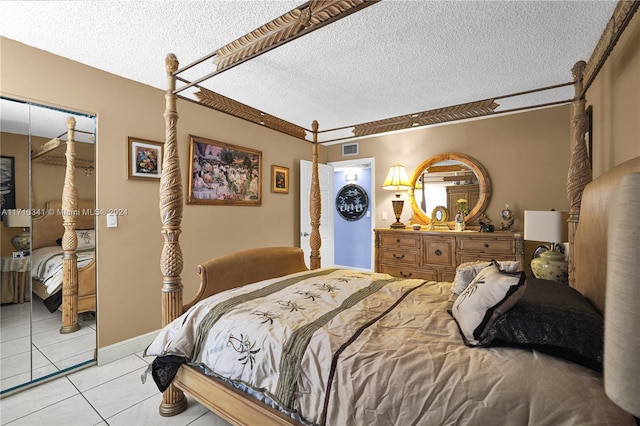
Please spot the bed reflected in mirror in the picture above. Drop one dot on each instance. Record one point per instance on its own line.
(32, 345)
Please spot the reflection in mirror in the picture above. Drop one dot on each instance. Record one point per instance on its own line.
(32, 346)
(441, 180)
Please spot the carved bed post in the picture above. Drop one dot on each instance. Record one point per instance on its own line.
(69, 238)
(579, 165)
(173, 400)
(315, 203)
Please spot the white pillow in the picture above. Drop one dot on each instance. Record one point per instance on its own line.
(491, 293)
(86, 238)
(466, 272)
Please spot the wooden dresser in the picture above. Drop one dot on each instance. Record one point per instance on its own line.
(434, 256)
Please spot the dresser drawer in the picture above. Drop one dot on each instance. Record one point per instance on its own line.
(400, 239)
(487, 244)
(393, 255)
(399, 271)
(434, 256)
(473, 257)
(439, 251)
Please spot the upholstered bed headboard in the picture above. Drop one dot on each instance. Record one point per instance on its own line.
(590, 246)
(47, 228)
(231, 271)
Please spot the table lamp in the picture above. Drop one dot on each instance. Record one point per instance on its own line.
(19, 219)
(398, 181)
(547, 226)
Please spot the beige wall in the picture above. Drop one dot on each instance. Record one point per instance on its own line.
(129, 278)
(615, 99)
(526, 156)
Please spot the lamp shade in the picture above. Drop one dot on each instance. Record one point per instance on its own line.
(547, 226)
(397, 179)
(622, 316)
(17, 219)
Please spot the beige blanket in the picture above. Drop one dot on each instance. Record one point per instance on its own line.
(342, 347)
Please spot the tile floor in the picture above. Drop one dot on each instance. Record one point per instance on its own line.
(47, 351)
(112, 394)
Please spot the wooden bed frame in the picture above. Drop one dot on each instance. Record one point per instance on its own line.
(69, 214)
(46, 230)
(587, 262)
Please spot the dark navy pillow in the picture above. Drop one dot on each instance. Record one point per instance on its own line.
(552, 318)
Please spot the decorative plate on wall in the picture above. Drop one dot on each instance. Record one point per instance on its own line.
(352, 202)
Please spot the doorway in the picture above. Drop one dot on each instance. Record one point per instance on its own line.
(353, 211)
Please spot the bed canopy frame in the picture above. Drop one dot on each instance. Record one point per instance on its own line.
(302, 20)
(70, 211)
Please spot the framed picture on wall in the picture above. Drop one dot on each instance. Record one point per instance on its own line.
(220, 173)
(145, 159)
(7, 183)
(280, 179)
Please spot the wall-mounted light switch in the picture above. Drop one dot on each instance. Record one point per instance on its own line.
(384, 215)
(112, 220)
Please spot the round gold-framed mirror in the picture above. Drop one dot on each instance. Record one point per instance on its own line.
(445, 178)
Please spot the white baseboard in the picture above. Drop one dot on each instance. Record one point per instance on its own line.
(125, 348)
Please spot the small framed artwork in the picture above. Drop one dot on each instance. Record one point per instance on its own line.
(220, 173)
(7, 183)
(145, 159)
(280, 179)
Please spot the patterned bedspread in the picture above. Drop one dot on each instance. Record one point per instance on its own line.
(343, 347)
(47, 265)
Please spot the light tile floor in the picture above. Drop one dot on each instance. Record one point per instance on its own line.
(112, 394)
(31, 345)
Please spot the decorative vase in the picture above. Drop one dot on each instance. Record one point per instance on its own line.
(459, 222)
(22, 241)
(550, 265)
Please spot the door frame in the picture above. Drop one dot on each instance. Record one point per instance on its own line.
(360, 162)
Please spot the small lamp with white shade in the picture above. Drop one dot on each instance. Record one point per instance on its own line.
(547, 226)
(397, 180)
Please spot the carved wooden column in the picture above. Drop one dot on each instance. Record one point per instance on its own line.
(173, 400)
(315, 241)
(579, 164)
(69, 238)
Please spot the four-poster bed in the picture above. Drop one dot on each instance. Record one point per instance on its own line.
(555, 391)
(59, 267)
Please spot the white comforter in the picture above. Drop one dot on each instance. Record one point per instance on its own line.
(46, 264)
(394, 358)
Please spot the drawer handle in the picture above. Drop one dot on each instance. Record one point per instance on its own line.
(486, 245)
(406, 275)
(398, 257)
(438, 252)
(398, 240)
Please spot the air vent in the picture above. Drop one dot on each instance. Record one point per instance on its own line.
(350, 149)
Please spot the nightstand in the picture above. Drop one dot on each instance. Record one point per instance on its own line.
(15, 280)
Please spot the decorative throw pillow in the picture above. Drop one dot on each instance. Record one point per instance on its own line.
(466, 272)
(491, 293)
(86, 238)
(555, 319)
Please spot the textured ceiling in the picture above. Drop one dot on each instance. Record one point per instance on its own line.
(391, 58)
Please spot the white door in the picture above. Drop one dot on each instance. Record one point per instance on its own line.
(325, 176)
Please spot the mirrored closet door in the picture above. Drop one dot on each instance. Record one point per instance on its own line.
(36, 344)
